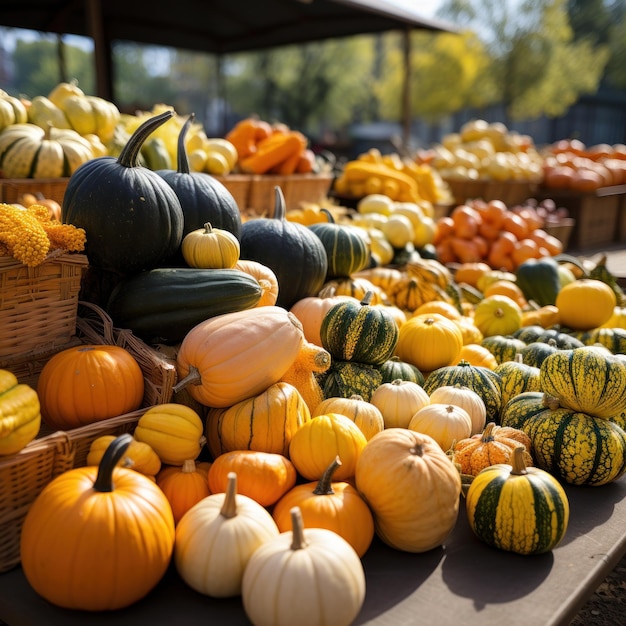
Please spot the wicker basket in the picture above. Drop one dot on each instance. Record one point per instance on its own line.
(25, 474)
(12, 188)
(296, 188)
(38, 304)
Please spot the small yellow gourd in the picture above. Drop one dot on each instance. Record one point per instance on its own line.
(210, 248)
(139, 456)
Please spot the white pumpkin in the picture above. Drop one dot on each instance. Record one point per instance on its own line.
(309, 577)
(467, 399)
(398, 401)
(217, 536)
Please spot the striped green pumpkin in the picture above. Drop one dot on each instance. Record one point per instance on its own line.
(562, 340)
(517, 508)
(344, 379)
(347, 247)
(396, 369)
(537, 351)
(356, 331)
(503, 347)
(517, 377)
(612, 338)
(574, 447)
(586, 379)
(485, 382)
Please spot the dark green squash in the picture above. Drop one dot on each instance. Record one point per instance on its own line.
(574, 447)
(163, 304)
(536, 352)
(612, 338)
(356, 331)
(132, 218)
(344, 379)
(539, 280)
(396, 369)
(203, 198)
(347, 248)
(503, 347)
(562, 340)
(291, 250)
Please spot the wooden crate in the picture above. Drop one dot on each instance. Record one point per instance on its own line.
(511, 192)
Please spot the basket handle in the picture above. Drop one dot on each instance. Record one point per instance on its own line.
(96, 326)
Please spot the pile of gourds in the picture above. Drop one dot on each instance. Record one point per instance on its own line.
(333, 403)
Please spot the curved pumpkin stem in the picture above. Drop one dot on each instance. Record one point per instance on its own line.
(110, 459)
(193, 378)
(487, 435)
(130, 152)
(280, 208)
(183, 160)
(324, 485)
(367, 298)
(518, 466)
(329, 215)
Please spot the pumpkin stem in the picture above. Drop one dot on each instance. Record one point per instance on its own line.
(188, 467)
(193, 378)
(130, 152)
(367, 298)
(108, 462)
(280, 208)
(229, 506)
(298, 541)
(208, 228)
(183, 161)
(329, 215)
(324, 485)
(550, 402)
(518, 466)
(487, 435)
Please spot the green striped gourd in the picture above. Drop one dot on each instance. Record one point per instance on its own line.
(586, 379)
(517, 377)
(347, 247)
(343, 379)
(536, 352)
(612, 338)
(485, 382)
(574, 447)
(562, 340)
(517, 508)
(503, 347)
(394, 369)
(356, 331)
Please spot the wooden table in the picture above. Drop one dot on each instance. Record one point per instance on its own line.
(464, 582)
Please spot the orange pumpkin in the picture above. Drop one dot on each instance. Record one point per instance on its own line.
(89, 383)
(184, 487)
(266, 278)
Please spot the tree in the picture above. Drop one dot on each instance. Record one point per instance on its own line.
(536, 65)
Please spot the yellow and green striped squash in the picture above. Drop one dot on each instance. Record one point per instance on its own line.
(612, 338)
(356, 331)
(503, 347)
(517, 508)
(485, 382)
(574, 447)
(517, 377)
(344, 379)
(586, 380)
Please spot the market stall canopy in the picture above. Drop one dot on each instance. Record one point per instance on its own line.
(216, 26)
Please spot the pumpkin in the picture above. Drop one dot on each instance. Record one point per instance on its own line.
(211, 532)
(202, 197)
(539, 280)
(474, 454)
(353, 287)
(347, 248)
(476, 354)
(612, 338)
(139, 456)
(517, 377)
(411, 487)
(311, 310)
(347, 378)
(468, 329)
(335, 505)
(184, 487)
(517, 508)
(12, 110)
(429, 342)
(536, 352)
(29, 151)
(398, 401)
(445, 423)
(174, 431)
(317, 442)
(201, 467)
(482, 380)
(89, 383)
(381, 277)
(235, 356)
(465, 398)
(263, 476)
(576, 448)
(396, 369)
(304, 576)
(573, 303)
(93, 515)
(209, 247)
(537, 333)
(20, 414)
(585, 380)
(359, 332)
(292, 251)
(364, 414)
(132, 218)
(265, 422)
(265, 277)
(497, 315)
